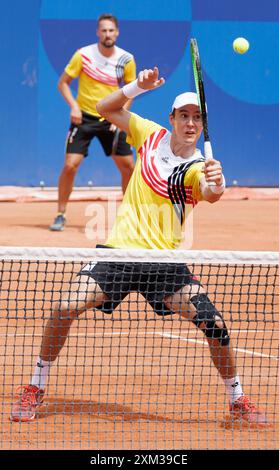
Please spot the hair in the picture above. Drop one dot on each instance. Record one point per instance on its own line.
(108, 16)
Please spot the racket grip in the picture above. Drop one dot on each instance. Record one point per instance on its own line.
(208, 150)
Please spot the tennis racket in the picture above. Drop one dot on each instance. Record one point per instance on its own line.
(201, 95)
(115, 141)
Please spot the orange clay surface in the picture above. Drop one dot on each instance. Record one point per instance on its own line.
(124, 384)
(226, 225)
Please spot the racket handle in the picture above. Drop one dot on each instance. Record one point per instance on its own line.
(208, 150)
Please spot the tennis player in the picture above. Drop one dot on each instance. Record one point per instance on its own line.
(170, 173)
(101, 69)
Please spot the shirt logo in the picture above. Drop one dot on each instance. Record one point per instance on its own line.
(235, 384)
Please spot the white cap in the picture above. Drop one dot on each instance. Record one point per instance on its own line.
(184, 99)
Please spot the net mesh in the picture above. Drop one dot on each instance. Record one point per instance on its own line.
(133, 379)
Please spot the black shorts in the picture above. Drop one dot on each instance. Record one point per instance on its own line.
(80, 136)
(154, 281)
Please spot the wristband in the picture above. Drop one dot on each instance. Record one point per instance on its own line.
(131, 90)
(218, 189)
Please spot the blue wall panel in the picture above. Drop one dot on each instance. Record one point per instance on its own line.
(38, 38)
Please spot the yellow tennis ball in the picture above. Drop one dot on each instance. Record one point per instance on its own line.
(240, 45)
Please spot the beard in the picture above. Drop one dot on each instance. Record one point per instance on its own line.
(108, 43)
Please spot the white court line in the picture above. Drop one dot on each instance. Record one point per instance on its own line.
(144, 333)
(128, 332)
(124, 333)
(245, 351)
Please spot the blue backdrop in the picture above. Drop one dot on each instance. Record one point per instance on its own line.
(38, 37)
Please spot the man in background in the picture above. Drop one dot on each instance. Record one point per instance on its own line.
(101, 68)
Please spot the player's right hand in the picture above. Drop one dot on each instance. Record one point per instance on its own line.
(148, 79)
(76, 115)
(213, 172)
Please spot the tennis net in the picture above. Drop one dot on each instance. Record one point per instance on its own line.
(132, 378)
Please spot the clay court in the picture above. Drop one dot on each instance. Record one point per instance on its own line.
(133, 380)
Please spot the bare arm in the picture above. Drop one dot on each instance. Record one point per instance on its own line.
(113, 109)
(212, 174)
(126, 106)
(114, 106)
(64, 87)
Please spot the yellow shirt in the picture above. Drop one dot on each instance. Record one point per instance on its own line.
(99, 75)
(162, 187)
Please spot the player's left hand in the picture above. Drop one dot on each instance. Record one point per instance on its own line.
(213, 172)
(148, 79)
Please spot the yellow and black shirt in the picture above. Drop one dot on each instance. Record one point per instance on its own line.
(99, 75)
(162, 187)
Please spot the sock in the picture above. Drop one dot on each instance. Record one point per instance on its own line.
(41, 373)
(234, 388)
